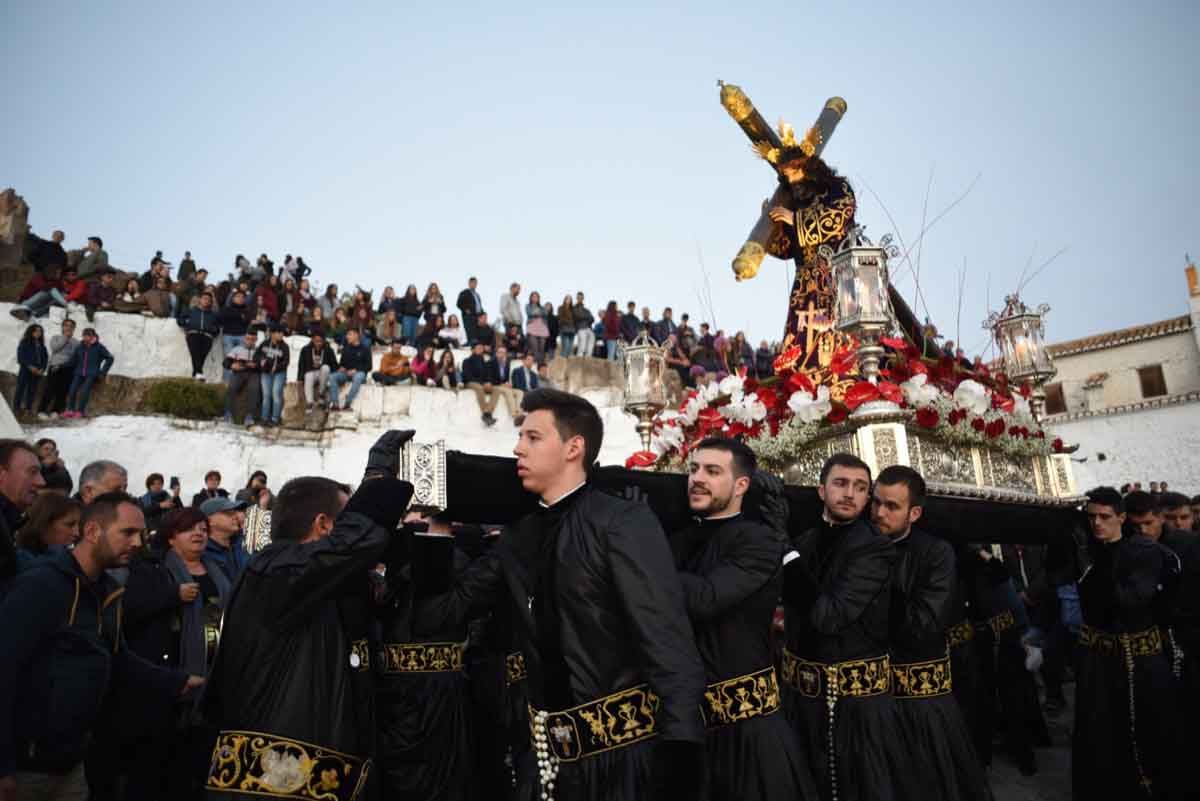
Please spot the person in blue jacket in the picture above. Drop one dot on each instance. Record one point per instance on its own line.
(31, 366)
(90, 362)
(201, 326)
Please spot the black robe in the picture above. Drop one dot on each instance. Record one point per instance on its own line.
(1185, 623)
(426, 740)
(1121, 593)
(731, 574)
(291, 689)
(943, 765)
(836, 595)
(597, 608)
(964, 661)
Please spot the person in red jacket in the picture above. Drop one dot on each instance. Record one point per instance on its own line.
(266, 297)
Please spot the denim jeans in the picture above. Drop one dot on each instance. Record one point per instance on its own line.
(27, 385)
(37, 304)
(408, 328)
(610, 345)
(272, 396)
(335, 387)
(566, 343)
(80, 392)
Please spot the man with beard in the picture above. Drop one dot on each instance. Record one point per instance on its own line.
(942, 764)
(730, 568)
(836, 669)
(614, 678)
(1124, 739)
(291, 690)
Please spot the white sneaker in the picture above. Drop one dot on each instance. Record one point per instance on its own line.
(53, 415)
(43, 416)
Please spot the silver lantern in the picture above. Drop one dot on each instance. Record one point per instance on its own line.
(645, 392)
(1019, 333)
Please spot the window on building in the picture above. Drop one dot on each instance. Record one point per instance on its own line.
(1153, 383)
(1055, 402)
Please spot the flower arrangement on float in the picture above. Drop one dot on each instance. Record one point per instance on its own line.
(778, 415)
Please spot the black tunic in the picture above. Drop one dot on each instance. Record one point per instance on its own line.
(1185, 622)
(731, 575)
(964, 661)
(1119, 594)
(293, 665)
(934, 737)
(836, 595)
(597, 608)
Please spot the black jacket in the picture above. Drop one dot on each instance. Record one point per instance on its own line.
(837, 593)
(272, 358)
(480, 369)
(356, 358)
(923, 596)
(234, 320)
(10, 519)
(306, 365)
(620, 614)
(467, 305)
(1185, 612)
(204, 495)
(63, 653)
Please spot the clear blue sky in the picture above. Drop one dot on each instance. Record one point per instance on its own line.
(585, 149)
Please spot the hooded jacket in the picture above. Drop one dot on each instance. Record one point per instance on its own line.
(90, 361)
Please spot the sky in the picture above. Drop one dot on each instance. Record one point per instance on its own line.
(584, 149)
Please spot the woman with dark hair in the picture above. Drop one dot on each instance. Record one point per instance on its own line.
(409, 309)
(266, 297)
(172, 607)
(453, 334)
(51, 525)
(433, 304)
(612, 329)
(258, 480)
(447, 371)
(337, 328)
(32, 358)
(387, 301)
(424, 370)
(328, 302)
(536, 329)
(430, 335)
(290, 305)
(361, 322)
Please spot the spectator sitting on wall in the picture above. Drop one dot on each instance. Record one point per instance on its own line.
(272, 357)
(187, 292)
(243, 378)
(424, 368)
(212, 489)
(544, 380)
(266, 296)
(525, 375)
(388, 329)
(452, 334)
(101, 294)
(39, 292)
(429, 335)
(316, 365)
(49, 256)
(94, 259)
(479, 374)
(393, 367)
(361, 322)
(339, 325)
(91, 363)
(160, 301)
(131, 300)
(679, 361)
(32, 358)
(447, 372)
(484, 332)
(158, 269)
(354, 366)
(513, 341)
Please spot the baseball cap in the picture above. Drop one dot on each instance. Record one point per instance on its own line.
(217, 505)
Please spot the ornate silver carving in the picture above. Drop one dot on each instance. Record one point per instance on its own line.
(423, 464)
(886, 453)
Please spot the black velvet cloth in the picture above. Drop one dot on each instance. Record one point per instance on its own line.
(732, 576)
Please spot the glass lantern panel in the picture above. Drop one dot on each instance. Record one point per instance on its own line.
(847, 294)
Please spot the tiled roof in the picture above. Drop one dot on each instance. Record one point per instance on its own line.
(1124, 336)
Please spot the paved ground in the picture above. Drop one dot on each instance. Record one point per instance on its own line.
(1053, 779)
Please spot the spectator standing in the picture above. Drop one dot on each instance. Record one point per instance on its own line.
(452, 334)
(54, 471)
(329, 302)
(387, 301)
(433, 305)
(354, 366)
(32, 359)
(471, 305)
(212, 489)
(552, 325)
(101, 294)
(226, 543)
(243, 377)
(536, 329)
(158, 501)
(266, 296)
(94, 259)
(764, 361)
(485, 333)
(273, 357)
(480, 376)
(62, 619)
(314, 369)
(630, 324)
(679, 361)
(525, 375)
(201, 326)
(510, 310)
(393, 367)
(424, 370)
(612, 329)
(49, 257)
(91, 362)
(447, 371)
(187, 267)
(664, 328)
(50, 527)
(388, 329)
(585, 338)
(159, 300)
(20, 480)
(410, 314)
(234, 320)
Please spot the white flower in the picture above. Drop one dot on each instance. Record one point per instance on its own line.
(691, 409)
(670, 438)
(1021, 407)
(972, 396)
(747, 411)
(733, 386)
(809, 408)
(917, 391)
(708, 393)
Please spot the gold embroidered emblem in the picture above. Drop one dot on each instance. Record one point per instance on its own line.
(614, 721)
(422, 657)
(263, 764)
(857, 678)
(921, 679)
(733, 700)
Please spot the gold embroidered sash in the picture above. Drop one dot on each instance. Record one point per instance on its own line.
(856, 678)
(422, 657)
(921, 679)
(960, 634)
(514, 668)
(614, 721)
(742, 698)
(257, 763)
(1002, 622)
(360, 655)
(1142, 643)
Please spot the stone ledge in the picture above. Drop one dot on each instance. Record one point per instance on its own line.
(1125, 408)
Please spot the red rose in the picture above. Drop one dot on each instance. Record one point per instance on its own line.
(860, 393)
(1013, 431)
(767, 397)
(978, 424)
(1040, 434)
(837, 414)
(640, 460)
(994, 429)
(927, 418)
(891, 392)
(1057, 446)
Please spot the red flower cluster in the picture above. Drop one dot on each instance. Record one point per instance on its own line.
(640, 460)
(956, 416)
(978, 424)
(927, 418)
(994, 428)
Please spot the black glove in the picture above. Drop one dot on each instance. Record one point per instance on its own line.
(384, 499)
(384, 456)
(678, 770)
(772, 505)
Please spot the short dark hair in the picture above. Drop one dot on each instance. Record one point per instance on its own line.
(741, 457)
(1107, 496)
(90, 332)
(1140, 503)
(212, 474)
(902, 474)
(44, 440)
(10, 446)
(1195, 499)
(1173, 500)
(573, 417)
(843, 460)
(150, 479)
(253, 475)
(298, 503)
(99, 242)
(104, 508)
(178, 520)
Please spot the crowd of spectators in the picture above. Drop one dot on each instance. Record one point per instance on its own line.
(261, 302)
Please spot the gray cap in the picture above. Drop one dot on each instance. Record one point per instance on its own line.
(216, 505)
